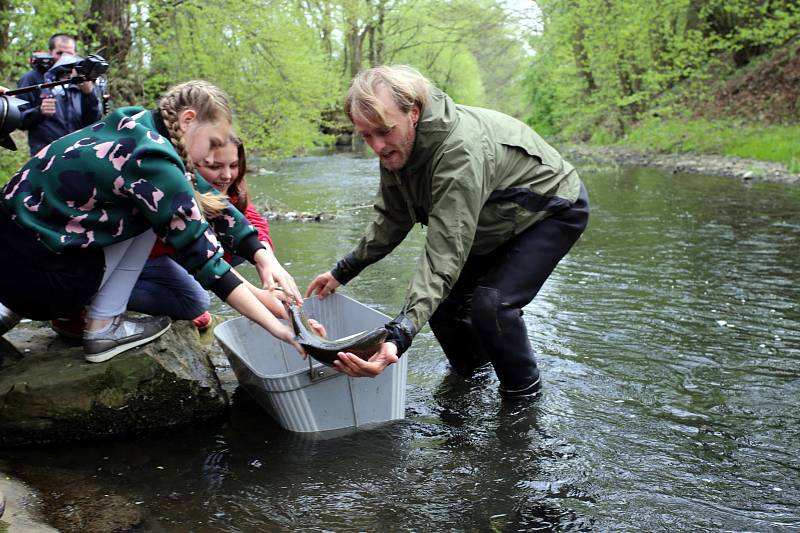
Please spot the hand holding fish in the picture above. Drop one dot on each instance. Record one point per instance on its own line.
(323, 285)
(243, 300)
(272, 274)
(354, 366)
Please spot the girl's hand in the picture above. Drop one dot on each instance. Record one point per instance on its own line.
(243, 299)
(272, 300)
(272, 273)
(285, 280)
(287, 336)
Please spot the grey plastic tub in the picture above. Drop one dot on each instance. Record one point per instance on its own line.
(305, 395)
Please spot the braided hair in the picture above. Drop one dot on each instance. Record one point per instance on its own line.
(211, 105)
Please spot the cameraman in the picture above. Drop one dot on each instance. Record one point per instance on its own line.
(54, 113)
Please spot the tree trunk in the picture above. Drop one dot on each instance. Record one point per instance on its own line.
(377, 35)
(109, 30)
(355, 47)
(581, 61)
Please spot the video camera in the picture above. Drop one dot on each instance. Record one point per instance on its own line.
(41, 61)
(88, 69)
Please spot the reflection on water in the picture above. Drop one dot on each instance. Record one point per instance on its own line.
(669, 341)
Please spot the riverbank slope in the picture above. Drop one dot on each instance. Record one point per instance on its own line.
(745, 169)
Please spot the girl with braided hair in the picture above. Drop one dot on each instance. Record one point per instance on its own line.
(81, 217)
(225, 168)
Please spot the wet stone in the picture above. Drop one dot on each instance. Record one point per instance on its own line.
(50, 394)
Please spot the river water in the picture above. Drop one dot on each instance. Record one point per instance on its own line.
(669, 341)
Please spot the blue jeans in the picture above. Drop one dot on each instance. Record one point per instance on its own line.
(165, 288)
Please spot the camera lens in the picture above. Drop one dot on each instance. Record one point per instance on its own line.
(9, 120)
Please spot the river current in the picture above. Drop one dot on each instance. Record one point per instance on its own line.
(669, 342)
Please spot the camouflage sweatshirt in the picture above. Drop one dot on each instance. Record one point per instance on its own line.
(114, 180)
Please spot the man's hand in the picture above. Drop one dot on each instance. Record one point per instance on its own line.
(354, 366)
(48, 106)
(86, 86)
(317, 328)
(323, 285)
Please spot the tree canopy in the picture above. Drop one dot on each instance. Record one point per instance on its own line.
(285, 63)
(602, 65)
(581, 68)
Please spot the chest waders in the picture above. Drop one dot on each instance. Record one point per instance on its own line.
(480, 321)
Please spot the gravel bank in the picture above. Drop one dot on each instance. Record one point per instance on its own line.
(710, 165)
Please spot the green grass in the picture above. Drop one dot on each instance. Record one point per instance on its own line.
(3, 526)
(10, 162)
(731, 138)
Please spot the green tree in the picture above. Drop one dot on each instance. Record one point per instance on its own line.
(606, 64)
(263, 54)
(285, 63)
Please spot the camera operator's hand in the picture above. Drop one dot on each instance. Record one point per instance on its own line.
(48, 106)
(3, 89)
(87, 87)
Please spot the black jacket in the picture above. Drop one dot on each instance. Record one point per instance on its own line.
(74, 110)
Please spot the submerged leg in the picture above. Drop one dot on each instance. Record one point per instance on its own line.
(452, 326)
(520, 268)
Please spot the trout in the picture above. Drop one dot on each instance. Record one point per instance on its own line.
(363, 344)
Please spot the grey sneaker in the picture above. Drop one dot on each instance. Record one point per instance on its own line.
(123, 334)
(8, 319)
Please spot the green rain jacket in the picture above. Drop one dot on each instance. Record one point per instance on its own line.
(476, 178)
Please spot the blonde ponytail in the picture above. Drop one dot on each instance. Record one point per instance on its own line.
(211, 105)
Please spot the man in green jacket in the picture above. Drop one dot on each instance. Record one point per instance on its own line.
(502, 209)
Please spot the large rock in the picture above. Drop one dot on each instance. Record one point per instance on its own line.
(48, 393)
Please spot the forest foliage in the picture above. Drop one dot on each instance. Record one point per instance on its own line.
(582, 69)
(285, 63)
(602, 66)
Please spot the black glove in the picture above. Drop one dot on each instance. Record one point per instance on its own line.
(401, 332)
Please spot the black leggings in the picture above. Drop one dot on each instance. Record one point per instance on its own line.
(480, 321)
(40, 284)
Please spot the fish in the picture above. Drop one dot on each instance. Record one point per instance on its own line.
(363, 344)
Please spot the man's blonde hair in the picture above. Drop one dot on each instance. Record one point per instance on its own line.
(406, 85)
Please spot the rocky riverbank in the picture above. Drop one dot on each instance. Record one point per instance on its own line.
(709, 165)
(20, 507)
(50, 396)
